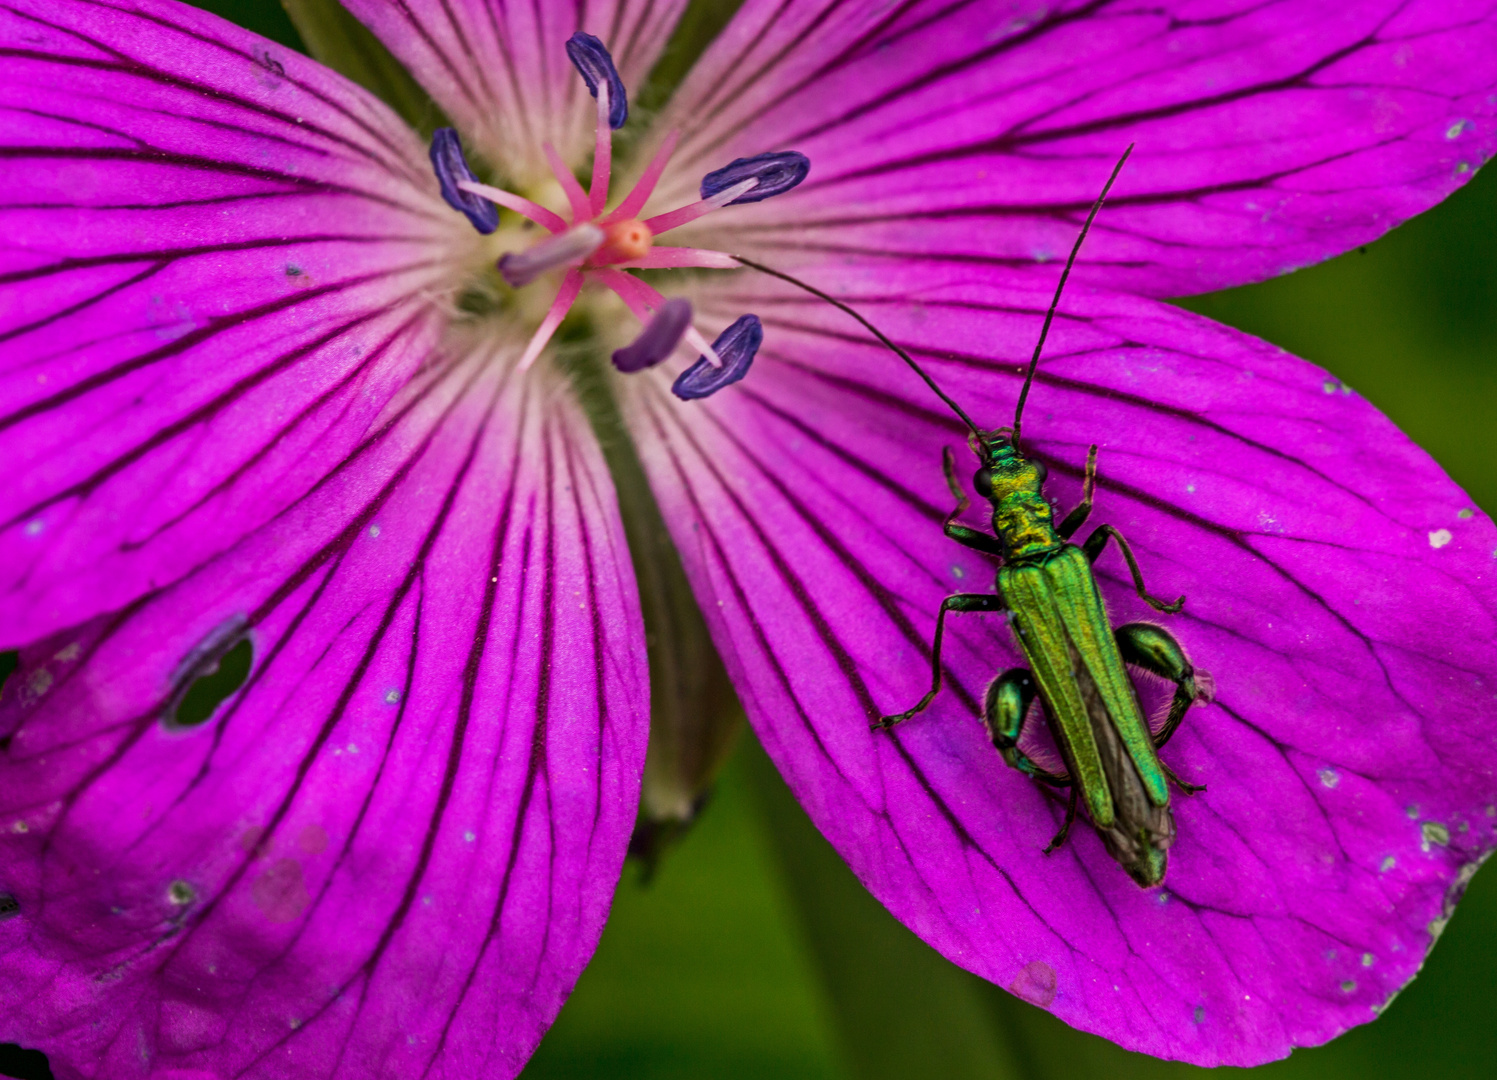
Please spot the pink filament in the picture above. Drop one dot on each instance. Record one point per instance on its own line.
(518, 203)
(571, 285)
(602, 155)
(690, 212)
(665, 258)
(634, 202)
(582, 208)
(637, 296)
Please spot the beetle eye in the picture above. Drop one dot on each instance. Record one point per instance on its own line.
(1040, 471)
(982, 480)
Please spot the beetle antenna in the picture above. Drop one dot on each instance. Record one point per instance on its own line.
(1060, 286)
(876, 332)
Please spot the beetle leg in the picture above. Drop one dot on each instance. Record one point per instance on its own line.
(1077, 517)
(1065, 829)
(1093, 548)
(1009, 698)
(959, 602)
(1155, 649)
(1188, 788)
(972, 538)
(948, 470)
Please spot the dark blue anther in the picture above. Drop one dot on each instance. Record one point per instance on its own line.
(590, 57)
(736, 347)
(777, 172)
(451, 168)
(659, 338)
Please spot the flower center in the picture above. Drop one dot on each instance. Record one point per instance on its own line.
(598, 248)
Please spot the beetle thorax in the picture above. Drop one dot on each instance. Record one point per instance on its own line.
(1024, 523)
(1022, 518)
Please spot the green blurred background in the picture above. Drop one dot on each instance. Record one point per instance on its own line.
(753, 952)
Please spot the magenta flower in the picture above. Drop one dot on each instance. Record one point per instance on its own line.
(266, 402)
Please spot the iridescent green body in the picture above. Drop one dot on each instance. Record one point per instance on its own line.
(1077, 661)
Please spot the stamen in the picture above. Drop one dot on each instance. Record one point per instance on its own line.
(659, 338)
(737, 345)
(777, 172)
(569, 249)
(518, 203)
(627, 241)
(451, 167)
(582, 206)
(635, 201)
(571, 285)
(592, 60)
(673, 219)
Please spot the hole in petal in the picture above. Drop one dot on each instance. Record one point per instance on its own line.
(9, 661)
(209, 674)
(24, 1064)
(10, 907)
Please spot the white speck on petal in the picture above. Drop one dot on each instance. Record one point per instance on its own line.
(374, 530)
(1329, 777)
(37, 683)
(1439, 538)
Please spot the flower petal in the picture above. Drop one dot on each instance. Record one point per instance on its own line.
(501, 72)
(1269, 136)
(218, 261)
(391, 852)
(1349, 754)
